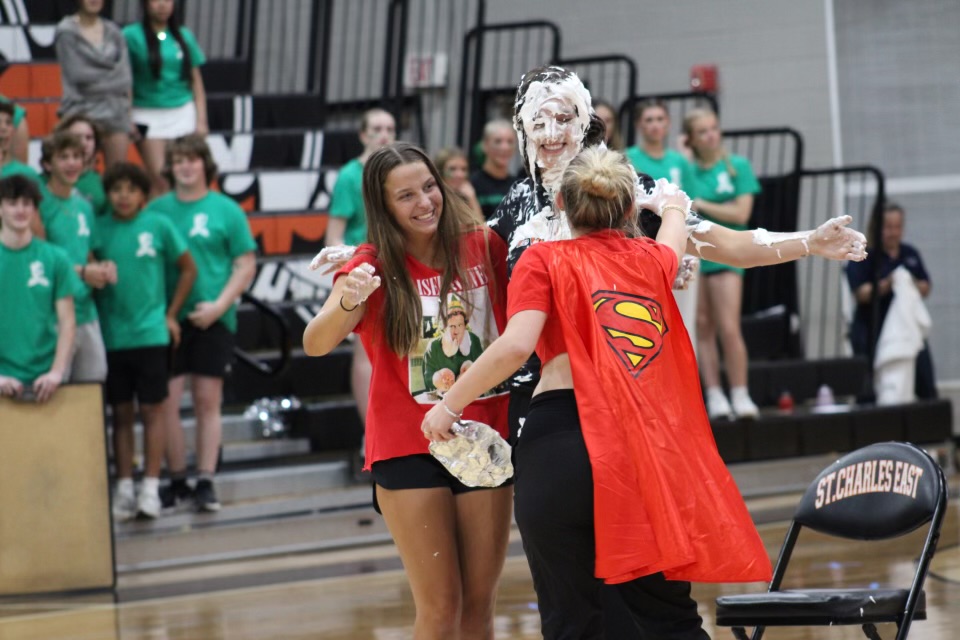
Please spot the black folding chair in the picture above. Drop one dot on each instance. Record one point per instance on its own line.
(878, 492)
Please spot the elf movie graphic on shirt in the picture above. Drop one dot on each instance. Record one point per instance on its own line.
(449, 346)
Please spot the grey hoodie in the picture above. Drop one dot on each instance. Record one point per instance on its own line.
(91, 73)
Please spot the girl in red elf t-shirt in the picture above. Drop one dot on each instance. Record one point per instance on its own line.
(426, 296)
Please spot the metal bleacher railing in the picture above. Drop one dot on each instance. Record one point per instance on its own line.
(810, 297)
(497, 55)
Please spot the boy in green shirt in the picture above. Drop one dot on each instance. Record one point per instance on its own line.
(138, 326)
(67, 221)
(9, 165)
(651, 155)
(37, 285)
(89, 184)
(218, 236)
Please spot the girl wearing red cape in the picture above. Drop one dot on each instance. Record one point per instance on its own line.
(618, 479)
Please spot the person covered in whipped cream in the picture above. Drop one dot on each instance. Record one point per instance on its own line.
(554, 120)
(452, 352)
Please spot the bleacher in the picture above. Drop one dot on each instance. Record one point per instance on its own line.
(279, 150)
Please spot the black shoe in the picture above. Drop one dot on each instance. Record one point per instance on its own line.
(176, 494)
(205, 497)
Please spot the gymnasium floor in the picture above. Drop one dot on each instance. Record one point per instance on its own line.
(364, 596)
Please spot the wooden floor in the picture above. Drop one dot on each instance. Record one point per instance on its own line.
(377, 606)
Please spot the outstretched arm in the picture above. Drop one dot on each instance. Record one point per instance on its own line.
(497, 363)
(342, 311)
(832, 240)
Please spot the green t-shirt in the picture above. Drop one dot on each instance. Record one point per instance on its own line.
(217, 232)
(32, 279)
(170, 89)
(347, 202)
(716, 184)
(71, 226)
(90, 186)
(671, 166)
(133, 311)
(17, 168)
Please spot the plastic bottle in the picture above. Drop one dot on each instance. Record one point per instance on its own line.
(824, 396)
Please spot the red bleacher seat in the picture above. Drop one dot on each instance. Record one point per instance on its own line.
(41, 117)
(31, 80)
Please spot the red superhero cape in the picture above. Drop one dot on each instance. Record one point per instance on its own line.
(663, 498)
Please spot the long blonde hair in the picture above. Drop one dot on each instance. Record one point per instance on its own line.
(403, 312)
(688, 122)
(598, 191)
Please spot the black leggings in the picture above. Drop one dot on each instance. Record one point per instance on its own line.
(553, 506)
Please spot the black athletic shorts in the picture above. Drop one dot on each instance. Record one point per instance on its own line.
(141, 372)
(205, 352)
(420, 471)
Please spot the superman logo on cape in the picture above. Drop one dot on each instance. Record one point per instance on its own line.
(664, 500)
(634, 327)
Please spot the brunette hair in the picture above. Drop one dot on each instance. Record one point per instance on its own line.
(55, 143)
(129, 172)
(403, 314)
(69, 121)
(688, 121)
(447, 154)
(153, 42)
(876, 221)
(616, 140)
(20, 186)
(192, 146)
(598, 191)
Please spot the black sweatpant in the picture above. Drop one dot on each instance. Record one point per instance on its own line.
(553, 506)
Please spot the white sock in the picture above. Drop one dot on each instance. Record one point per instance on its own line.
(125, 486)
(150, 485)
(739, 392)
(715, 392)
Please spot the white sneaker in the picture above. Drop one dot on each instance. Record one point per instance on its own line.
(743, 406)
(717, 404)
(148, 503)
(124, 501)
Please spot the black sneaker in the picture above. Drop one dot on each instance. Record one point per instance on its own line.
(205, 497)
(176, 494)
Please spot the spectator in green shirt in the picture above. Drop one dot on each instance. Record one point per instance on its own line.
(9, 165)
(138, 327)
(67, 221)
(219, 239)
(169, 99)
(20, 144)
(37, 288)
(722, 186)
(651, 155)
(89, 184)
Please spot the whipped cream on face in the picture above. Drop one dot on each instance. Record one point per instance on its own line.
(537, 125)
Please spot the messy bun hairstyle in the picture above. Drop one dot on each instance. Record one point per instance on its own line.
(598, 191)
